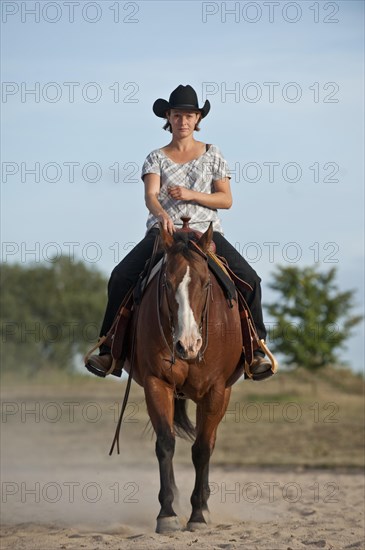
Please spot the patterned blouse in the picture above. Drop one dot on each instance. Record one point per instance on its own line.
(198, 174)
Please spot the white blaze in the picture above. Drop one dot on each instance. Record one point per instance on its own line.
(187, 330)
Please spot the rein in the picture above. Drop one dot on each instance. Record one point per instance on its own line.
(162, 285)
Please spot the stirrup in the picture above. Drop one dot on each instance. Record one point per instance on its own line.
(273, 361)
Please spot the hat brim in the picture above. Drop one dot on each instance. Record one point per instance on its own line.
(161, 106)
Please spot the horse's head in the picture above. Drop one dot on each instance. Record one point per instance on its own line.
(187, 284)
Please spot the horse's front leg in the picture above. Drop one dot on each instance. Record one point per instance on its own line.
(209, 413)
(160, 405)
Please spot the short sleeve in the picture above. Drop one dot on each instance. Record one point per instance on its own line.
(220, 167)
(151, 165)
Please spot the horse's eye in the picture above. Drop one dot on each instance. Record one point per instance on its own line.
(168, 284)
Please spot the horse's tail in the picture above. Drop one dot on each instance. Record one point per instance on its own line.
(183, 426)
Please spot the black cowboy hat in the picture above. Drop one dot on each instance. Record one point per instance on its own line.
(184, 98)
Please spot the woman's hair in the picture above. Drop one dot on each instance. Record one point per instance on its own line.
(167, 125)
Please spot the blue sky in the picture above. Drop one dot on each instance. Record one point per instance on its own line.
(298, 164)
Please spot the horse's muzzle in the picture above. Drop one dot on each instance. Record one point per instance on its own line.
(188, 350)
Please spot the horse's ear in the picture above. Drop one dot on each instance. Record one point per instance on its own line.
(206, 239)
(167, 239)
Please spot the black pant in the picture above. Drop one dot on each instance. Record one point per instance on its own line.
(126, 273)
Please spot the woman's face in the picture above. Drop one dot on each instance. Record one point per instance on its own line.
(182, 122)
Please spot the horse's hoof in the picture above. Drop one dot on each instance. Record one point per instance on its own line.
(168, 525)
(196, 526)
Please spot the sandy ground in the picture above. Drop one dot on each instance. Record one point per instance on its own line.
(61, 490)
(108, 506)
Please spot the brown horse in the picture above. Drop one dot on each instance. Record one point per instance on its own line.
(187, 345)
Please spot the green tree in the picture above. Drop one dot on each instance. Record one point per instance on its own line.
(312, 317)
(49, 313)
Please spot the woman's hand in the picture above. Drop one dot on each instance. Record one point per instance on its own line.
(180, 193)
(152, 190)
(220, 198)
(167, 222)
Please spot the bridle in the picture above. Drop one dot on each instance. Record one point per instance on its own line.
(162, 292)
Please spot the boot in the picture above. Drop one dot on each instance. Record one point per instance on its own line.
(260, 367)
(100, 364)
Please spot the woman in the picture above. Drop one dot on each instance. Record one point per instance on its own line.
(184, 178)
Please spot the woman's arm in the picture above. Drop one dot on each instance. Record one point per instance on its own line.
(221, 198)
(152, 184)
